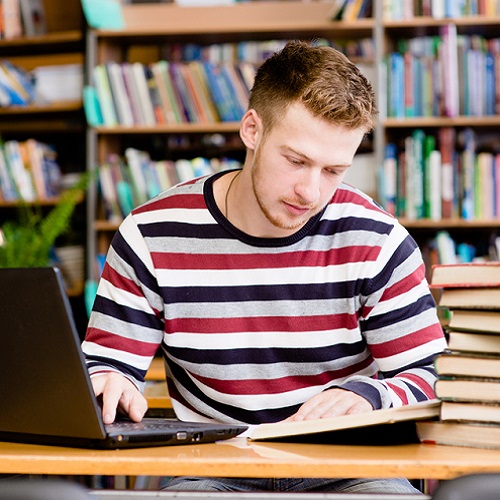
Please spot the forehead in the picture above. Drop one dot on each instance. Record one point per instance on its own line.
(315, 138)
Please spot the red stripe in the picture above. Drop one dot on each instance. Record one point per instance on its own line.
(174, 201)
(402, 344)
(346, 196)
(421, 383)
(262, 324)
(121, 282)
(356, 254)
(280, 385)
(132, 346)
(405, 285)
(399, 392)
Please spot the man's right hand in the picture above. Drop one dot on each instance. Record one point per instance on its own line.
(119, 393)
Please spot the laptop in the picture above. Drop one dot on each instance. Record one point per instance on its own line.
(45, 390)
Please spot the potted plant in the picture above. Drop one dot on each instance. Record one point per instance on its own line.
(27, 242)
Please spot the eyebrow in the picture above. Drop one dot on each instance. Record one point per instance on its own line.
(306, 157)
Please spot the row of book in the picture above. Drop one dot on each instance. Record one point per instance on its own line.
(128, 181)
(169, 92)
(20, 18)
(439, 9)
(350, 10)
(257, 51)
(468, 382)
(429, 178)
(28, 171)
(445, 75)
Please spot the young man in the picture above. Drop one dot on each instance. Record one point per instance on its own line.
(276, 291)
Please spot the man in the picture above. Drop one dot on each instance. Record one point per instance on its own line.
(276, 291)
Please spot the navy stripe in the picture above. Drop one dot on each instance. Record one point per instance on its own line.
(233, 412)
(395, 316)
(267, 355)
(102, 362)
(126, 314)
(205, 294)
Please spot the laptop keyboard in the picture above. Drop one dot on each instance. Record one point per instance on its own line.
(147, 424)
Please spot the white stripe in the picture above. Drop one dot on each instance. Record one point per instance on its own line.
(241, 340)
(93, 349)
(247, 277)
(394, 362)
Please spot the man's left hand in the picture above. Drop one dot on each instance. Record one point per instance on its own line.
(331, 403)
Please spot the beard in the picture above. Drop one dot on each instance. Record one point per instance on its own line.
(282, 221)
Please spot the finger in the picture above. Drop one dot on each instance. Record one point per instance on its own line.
(134, 404)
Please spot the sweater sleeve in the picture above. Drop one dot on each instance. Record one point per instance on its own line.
(399, 322)
(125, 326)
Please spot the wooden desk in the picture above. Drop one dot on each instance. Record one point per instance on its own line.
(237, 457)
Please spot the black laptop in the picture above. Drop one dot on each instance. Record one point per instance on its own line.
(46, 395)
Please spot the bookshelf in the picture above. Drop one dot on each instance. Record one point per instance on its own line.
(58, 123)
(480, 227)
(153, 32)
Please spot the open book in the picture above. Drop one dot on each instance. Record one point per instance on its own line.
(361, 427)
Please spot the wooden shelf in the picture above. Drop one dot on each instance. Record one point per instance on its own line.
(53, 107)
(438, 121)
(58, 39)
(177, 128)
(241, 20)
(449, 223)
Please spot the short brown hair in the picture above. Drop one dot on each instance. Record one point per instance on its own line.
(321, 78)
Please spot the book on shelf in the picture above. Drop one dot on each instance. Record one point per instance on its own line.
(466, 364)
(468, 434)
(119, 93)
(11, 23)
(399, 422)
(466, 274)
(143, 93)
(33, 17)
(469, 411)
(132, 94)
(105, 95)
(477, 389)
(446, 141)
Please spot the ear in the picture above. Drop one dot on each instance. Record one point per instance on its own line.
(250, 129)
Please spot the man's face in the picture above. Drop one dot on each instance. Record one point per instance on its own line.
(297, 168)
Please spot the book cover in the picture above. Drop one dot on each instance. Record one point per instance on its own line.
(22, 177)
(103, 90)
(466, 274)
(474, 342)
(464, 298)
(473, 435)
(469, 411)
(11, 21)
(475, 320)
(141, 85)
(119, 92)
(133, 94)
(165, 102)
(446, 141)
(455, 364)
(468, 389)
(33, 17)
(154, 96)
(307, 428)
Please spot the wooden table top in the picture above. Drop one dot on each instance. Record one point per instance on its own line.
(240, 457)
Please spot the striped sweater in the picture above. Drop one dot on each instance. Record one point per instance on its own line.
(250, 328)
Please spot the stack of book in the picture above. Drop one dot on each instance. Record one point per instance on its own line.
(468, 382)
